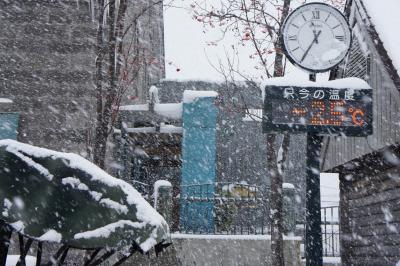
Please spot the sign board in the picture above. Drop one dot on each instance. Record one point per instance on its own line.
(316, 110)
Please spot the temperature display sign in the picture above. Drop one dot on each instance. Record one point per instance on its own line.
(318, 110)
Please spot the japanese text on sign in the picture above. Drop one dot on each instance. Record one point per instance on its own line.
(312, 109)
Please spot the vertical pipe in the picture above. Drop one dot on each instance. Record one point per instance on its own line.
(333, 234)
(325, 232)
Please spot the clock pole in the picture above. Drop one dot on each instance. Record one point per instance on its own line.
(313, 242)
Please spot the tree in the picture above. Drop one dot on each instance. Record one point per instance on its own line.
(117, 64)
(257, 23)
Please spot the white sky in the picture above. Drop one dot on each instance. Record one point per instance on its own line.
(186, 47)
(187, 50)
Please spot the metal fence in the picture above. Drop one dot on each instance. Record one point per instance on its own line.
(330, 231)
(230, 208)
(239, 209)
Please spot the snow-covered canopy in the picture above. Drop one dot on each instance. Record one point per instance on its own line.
(62, 197)
(386, 20)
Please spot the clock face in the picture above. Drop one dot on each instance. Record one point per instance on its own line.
(316, 37)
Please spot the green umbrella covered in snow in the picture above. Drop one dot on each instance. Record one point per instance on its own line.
(61, 197)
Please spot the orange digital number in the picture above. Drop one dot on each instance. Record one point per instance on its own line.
(336, 115)
(318, 110)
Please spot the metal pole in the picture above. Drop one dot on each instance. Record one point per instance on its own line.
(313, 243)
(313, 203)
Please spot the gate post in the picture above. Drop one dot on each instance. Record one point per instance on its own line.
(163, 199)
(289, 212)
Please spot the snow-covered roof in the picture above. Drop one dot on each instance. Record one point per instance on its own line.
(348, 83)
(384, 16)
(127, 216)
(163, 129)
(190, 95)
(169, 110)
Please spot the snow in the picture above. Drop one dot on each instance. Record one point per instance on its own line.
(18, 226)
(157, 185)
(144, 212)
(77, 184)
(190, 96)
(30, 162)
(51, 235)
(288, 186)
(161, 183)
(348, 83)
(153, 91)
(5, 100)
(170, 110)
(105, 231)
(120, 208)
(386, 21)
(12, 260)
(231, 237)
(163, 129)
(134, 107)
(332, 260)
(170, 129)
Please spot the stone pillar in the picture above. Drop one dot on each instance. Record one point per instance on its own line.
(163, 199)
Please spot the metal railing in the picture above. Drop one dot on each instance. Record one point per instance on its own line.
(231, 208)
(330, 231)
(240, 209)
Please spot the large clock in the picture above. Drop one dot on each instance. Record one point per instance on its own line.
(316, 37)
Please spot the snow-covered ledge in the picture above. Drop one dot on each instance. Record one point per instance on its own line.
(5, 100)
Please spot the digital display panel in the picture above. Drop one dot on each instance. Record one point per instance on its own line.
(318, 110)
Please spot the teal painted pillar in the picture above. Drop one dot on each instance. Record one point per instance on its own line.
(198, 163)
(9, 125)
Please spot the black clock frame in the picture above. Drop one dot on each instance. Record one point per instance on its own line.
(294, 61)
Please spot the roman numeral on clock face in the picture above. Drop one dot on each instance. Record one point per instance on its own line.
(293, 38)
(339, 38)
(315, 14)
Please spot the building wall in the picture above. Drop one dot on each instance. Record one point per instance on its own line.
(47, 65)
(370, 219)
(365, 62)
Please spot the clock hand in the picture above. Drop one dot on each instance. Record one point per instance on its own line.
(315, 40)
(315, 36)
